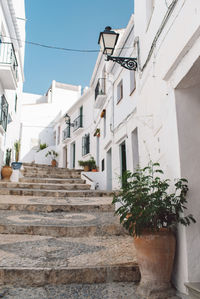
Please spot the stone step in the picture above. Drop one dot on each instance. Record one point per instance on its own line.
(50, 169)
(51, 204)
(41, 186)
(60, 224)
(51, 180)
(53, 175)
(45, 166)
(193, 289)
(39, 261)
(54, 193)
(111, 290)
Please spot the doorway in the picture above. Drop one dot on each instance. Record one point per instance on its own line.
(73, 155)
(109, 170)
(65, 159)
(123, 160)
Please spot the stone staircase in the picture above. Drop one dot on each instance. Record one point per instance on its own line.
(59, 239)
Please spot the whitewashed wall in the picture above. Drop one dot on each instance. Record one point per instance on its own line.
(40, 114)
(173, 56)
(12, 31)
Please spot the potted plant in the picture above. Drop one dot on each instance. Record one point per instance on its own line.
(6, 170)
(150, 212)
(87, 164)
(97, 132)
(42, 146)
(53, 155)
(17, 164)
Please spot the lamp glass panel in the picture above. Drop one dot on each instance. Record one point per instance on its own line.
(101, 42)
(109, 40)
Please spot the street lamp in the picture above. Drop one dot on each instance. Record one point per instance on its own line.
(68, 120)
(107, 41)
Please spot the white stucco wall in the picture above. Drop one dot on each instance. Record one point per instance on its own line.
(12, 31)
(40, 114)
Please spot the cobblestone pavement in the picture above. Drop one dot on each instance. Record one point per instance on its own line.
(50, 204)
(42, 251)
(73, 291)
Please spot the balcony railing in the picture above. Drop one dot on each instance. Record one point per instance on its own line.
(66, 133)
(100, 87)
(78, 123)
(8, 57)
(3, 112)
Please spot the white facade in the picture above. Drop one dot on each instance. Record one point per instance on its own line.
(40, 114)
(156, 117)
(168, 91)
(12, 33)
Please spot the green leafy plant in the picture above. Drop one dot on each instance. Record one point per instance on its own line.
(52, 153)
(42, 146)
(146, 203)
(90, 163)
(8, 157)
(17, 146)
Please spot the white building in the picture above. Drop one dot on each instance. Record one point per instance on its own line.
(12, 37)
(168, 92)
(39, 116)
(152, 114)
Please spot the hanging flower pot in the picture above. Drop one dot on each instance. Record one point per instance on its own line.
(97, 133)
(103, 113)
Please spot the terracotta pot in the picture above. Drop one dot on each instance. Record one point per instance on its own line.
(94, 170)
(54, 163)
(155, 254)
(6, 173)
(86, 168)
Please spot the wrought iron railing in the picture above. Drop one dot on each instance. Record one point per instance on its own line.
(3, 112)
(7, 56)
(66, 133)
(78, 123)
(100, 87)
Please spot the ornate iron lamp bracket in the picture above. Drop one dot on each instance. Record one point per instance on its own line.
(128, 63)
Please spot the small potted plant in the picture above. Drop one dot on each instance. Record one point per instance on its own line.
(42, 146)
(88, 164)
(17, 164)
(53, 155)
(6, 170)
(150, 212)
(97, 132)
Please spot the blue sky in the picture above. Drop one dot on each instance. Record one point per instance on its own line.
(69, 24)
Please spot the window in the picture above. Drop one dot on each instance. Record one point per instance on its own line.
(104, 125)
(3, 112)
(132, 81)
(81, 116)
(54, 137)
(102, 165)
(58, 140)
(135, 149)
(15, 103)
(85, 144)
(119, 91)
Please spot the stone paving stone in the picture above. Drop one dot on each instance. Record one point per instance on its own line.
(60, 223)
(46, 186)
(54, 193)
(52, 180)
(42, 251)
(36, 260)
(50, 204)
(74, 291)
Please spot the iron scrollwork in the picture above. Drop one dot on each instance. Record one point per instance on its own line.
(128, 63)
